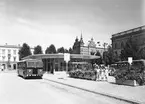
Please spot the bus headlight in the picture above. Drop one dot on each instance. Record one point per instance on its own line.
(40, 70)
(29, 70)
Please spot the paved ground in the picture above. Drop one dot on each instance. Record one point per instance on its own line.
(16, 90)
(134, 94)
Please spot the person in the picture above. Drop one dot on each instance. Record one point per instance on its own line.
(97, 72)
(106, 74)
(102, 72)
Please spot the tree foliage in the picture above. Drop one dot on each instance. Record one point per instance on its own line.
(131, 49)
(50, 50)
(38, 50)
(24, 51)
(70, 50)
(60, 50)
(142, 53)
(109, 56)
(66, 51)
(98, 61)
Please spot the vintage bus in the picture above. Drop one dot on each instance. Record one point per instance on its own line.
(123, 66)
(30, 67)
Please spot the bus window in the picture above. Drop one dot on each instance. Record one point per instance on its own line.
(39, 64)
(31, 64)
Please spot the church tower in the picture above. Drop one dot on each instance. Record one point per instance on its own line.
(81, 41)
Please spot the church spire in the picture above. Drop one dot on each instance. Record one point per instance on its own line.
(81, 40)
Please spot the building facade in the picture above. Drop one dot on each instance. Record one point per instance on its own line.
(80, 48)
(9, 56)
(119, 39)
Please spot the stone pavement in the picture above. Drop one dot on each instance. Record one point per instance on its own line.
(135, 95)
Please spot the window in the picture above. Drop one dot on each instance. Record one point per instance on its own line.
(3, 58)
(115, 45)
(3, 51)
(14, 58)
(122, 44)
(31, 64)
(9, 51)
(14, 52)
(39, 64)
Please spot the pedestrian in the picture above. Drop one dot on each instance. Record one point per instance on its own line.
(101, 73)
(106, 74)
(97, 69)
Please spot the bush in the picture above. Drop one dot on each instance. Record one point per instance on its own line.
(83, 74)
(132, 74)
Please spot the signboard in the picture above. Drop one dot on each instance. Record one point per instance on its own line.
(130, 60)
(66, 57)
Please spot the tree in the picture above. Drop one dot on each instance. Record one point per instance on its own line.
(130, 50)
(109, 57)
(92, 53)
(70, 50)
(66, 51)
(105, 58)
(142, 53)
(24, 51)
(98, 61)
(50, 50)
(60, 50)
(38, 50)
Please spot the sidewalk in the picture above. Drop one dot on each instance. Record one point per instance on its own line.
(127, 93)
(8, 71)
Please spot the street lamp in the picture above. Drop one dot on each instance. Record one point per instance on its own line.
(104, 45)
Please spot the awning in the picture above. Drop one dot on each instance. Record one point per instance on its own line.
(72, 56)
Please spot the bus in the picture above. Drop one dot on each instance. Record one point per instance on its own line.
(30, 67)
(137, 64)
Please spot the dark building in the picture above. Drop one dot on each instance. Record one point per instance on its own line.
(80, 48)
(120, 39)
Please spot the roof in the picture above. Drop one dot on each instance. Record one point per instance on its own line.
(129, 31)
(10, 46)
(79, 62)
(44, 56)
(13, 46)
(29, 60)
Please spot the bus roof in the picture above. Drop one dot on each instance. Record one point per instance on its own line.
(127, 61)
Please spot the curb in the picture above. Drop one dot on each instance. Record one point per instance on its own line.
(103, 94)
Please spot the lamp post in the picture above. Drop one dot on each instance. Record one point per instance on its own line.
(66, 59)
(104, 45)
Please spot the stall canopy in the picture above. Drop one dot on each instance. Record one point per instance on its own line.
(72, 56)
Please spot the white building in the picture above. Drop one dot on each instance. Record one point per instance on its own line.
(9, 56)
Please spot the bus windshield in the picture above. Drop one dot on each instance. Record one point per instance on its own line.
(39, 64)
(31, 64)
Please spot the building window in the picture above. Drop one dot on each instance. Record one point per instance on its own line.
(3, 51)
(3, 58)
(9, 51)
(115, 45)
(122, 44)
(14, 58)
(14, 52)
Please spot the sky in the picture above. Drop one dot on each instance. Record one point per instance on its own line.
(59, 22)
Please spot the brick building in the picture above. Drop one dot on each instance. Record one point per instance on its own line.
(120, 39)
